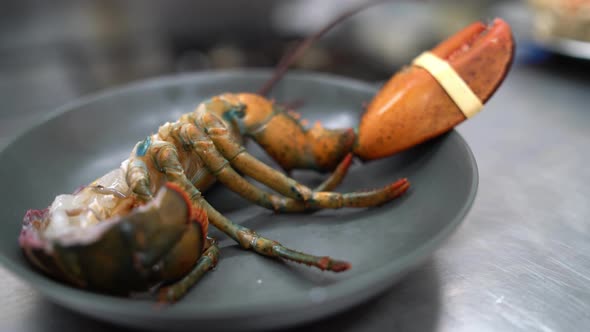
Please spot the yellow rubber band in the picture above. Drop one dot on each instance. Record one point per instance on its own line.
(451, 82)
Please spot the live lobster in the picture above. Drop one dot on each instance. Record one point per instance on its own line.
(145, 224)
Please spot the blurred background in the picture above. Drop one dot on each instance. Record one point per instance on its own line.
(527, 237)
(52, 52)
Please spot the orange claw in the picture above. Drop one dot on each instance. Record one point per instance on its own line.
(412, 107)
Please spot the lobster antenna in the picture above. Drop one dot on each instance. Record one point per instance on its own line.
(305, 44)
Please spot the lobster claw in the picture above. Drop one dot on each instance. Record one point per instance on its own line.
(412, 107)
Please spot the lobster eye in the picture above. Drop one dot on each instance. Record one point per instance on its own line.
(239, 110)
(235, 112)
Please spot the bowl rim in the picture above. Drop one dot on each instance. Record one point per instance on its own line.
(339, 295)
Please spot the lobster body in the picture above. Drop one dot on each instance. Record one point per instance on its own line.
(146, 223)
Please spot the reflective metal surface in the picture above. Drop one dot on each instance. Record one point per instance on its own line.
(521, 261)
(569, 47)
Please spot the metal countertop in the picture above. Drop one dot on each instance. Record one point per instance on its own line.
(521, 260)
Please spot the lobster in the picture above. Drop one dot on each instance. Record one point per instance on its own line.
(144, 225)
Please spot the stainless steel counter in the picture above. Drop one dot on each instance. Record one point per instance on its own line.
(520, 262)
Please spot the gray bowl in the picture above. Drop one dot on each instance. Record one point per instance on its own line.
(84, 139)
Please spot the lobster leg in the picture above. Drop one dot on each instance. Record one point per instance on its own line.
(283, 136)
(337, 175)
(244, 162)
(167, 160)
(206, 262)
(249, 239)
(139, 181)
(318, 200)
(222, 170)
